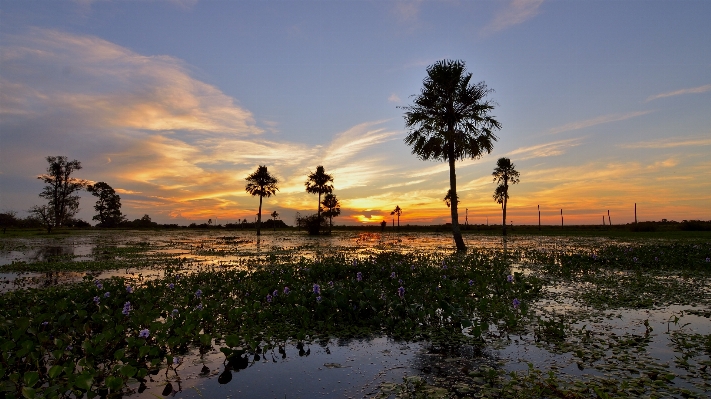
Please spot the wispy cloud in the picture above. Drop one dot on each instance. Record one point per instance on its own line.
(693, 90)
(407, 11)
(516, 12)
(670, 143)
(545, 150)
(596, 121)
(394, 98)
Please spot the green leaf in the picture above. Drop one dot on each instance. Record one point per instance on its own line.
(128, 371)
(143, 351)
(114, 383)
(30, 378)
(118, 355)
(55, 371)
(232, 340)
(84, 381)
(27, 392)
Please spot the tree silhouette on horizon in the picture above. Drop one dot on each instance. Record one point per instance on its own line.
(504, 173)
(61, 187)
(317, 183)
(274, 215)
(397, 211)
(108, 205)
(263, 184)
(450, 120)
(333, 207)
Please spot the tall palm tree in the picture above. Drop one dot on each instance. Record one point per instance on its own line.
(450, 120)
(318, 183)
(397, 211)
(263, 184)
(504, 173)
(333, 206)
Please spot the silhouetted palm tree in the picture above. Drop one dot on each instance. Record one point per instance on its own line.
(263, 184)
(317, 183)
(448, 198)
(451, 120)
(333, 206)
(504, 173)
(397, 211)
(275, 214)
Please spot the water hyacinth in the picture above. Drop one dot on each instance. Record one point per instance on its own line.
(318, 299)
(107, 294)
(198, 293)
(96, 300)
(176, 360)
(401, 292)
(126, 308)
(708, 260)
(516, 303)
(129, 289)
(317, 289)
(275, 293)
(98, 284)
(269, 298)
(330, 283)
(286, 290)
(509, 278)
(175, 312)
(359, 276)
(198, 307)
(392, 275)
(471, 282)
(144, 333)
(171, 286)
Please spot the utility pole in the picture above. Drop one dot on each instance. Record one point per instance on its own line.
(539, 218)
(466, 217)
(609, 222)
(561, 217)
(635, 213)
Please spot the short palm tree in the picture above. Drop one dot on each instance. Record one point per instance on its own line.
(275, 215)
(504, 173)
(397, 211)
(318, 183)
(450, 120)
(263, 184)
(333, 207)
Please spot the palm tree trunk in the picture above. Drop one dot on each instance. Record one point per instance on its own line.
(259, 217)
(318, 210)
(453, 193)
(503, 206)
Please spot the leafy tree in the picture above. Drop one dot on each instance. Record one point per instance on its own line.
(263, 184)
(318, 183)
(108, 205)
(45, 215)
(275, 214)
(450, 120)
(397, 211)
(504, 173)
(333, 207)
(61, 187)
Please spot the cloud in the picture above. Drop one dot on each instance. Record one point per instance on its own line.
(407, 11)
(670, 143)
(545, 150)
(517, 12)
(394, 98)
(596, 121)
(693, 90)
(109, 85)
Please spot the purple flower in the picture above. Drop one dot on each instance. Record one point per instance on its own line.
(275, 293)
(44, 323)
(144, 333)
(176, 360)
(401, 292)
(199, 306)
(509, 278)
(355, 262)
(96, 300)
(126, 308)
(657, 259)
(444, 277)
(471, 282)
(634, 259)
(708, 259)
(412, 267)
(198, 293)
(516, 303)
(330, 283)
(171, 286)
(69, 347)
(107, 294)
(317, 289)
(286, 290)
(399, 281)
(129, 289)
(269, 298)
(392, 275)
(98, 284)
(175, 312)
(318, 298)
(359, 276)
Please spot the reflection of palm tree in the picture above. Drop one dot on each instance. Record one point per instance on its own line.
(397, 211)
(450, 120)
(504, 173)
(333, 206)
(317, 183)
(275, 214)
(263, 184)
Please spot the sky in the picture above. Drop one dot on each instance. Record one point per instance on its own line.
(603, 104)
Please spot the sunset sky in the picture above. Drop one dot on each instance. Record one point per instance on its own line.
(173, 103)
